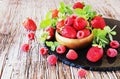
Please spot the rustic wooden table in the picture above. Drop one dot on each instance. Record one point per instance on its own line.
(14, 64)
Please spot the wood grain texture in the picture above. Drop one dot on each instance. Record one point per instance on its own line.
(15, 64)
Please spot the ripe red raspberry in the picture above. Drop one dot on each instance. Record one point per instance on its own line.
(86, 32)
(80, 23)
(71, 55)
(52, 59)
(94, 54)
(78, 5)
(69, 21)
(112, 52)
(73, 16)
(69, 32)
(80, 34)
(60, 25)
(81, 73)
(43, 51)
(98, 22)
(51, 32)
(114, 44)
(55, 13)
(29, 24)
(61, 49)
(25, 47)
(31, 36)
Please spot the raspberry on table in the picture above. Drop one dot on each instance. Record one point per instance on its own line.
(72, 55)
(81, 73)
(43, 51)
(60, 49)
(25, 47)
(52, 59)
(112, 52)
(31, 36)
(114, 44)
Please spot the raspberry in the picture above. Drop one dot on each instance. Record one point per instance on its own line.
(69, 32)
(54, 13)
(69, 21)
(98, 22)
(51, 32)
(112, 52)
(114, 44)
(31, 36)
(81, 73)
(80, 23)
(71, 55)
(94, 54)
(29, 24)
(78, 5)
(86, 32)
(60, 25)
(25, 47)
(43, 51)
(52, 59)
(80, 34)
(73, 16)
(61, 49)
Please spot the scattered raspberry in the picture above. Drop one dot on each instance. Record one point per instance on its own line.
(55, 13)
(69, 21)
(60, 25)
(29, 24)
(80, 34)
(86, 32)
(61, 49)
(73, 16)
(94, 54)
(114, 44)
(51, 32)
(78, 5)
(43, 51)
(31, 36)
(69, 32)
(81, 73)
(25, 47)
(52, 59)
(112, 52)
(71, 55)
(98, 22)
(80, 23)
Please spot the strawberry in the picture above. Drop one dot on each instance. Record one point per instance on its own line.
(80, 34)
(68, 32)
(71, 55)
(69, 21)
(112, 52)
(31, 36)
(98, 22)
(81, 73)
(43, 51)
(114, 44)
(51, 32)
(78, 5)
(25, 47)
(60, 24)
(61, 49)
(86, 32)
(52, 59)
(80, 23)
(94, 54)
(29, 24)
(55, 13)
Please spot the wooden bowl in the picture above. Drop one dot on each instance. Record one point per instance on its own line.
(74, 43)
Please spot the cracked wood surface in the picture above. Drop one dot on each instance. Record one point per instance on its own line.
(14, 64)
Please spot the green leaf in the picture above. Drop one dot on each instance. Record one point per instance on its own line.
(53, 48)
(49, 15)
(49, 43)
(87, 8)
(43, 36)
(53, 22)
(113, 33)
(110, 36)
(45, 23)
(56, 44)
(107, 28)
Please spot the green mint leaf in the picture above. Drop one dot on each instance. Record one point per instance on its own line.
(43, 36)
(49, 43)
(45, 23)
(107, 28)
(110, 37)
(53, 48)
(49, 15)
(62, 7)
(87, 8)
(53, 22)
(56, 44)
(113, 33)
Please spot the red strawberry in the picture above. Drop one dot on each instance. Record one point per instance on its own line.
(60, 25)
(29, 24)
(80, 34)
(71, 55)
(94, 54)
(69, 21)
(81, 73)
(25, 47)
(69, 32)
(54, 13)
(78, 5)
(43, 51)
(52, 59)
(98, 22)
(86, 32)
(31, 36)
(51, 32)
(112, 52)
(114, 44)
(80, 23)
(61, 49)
